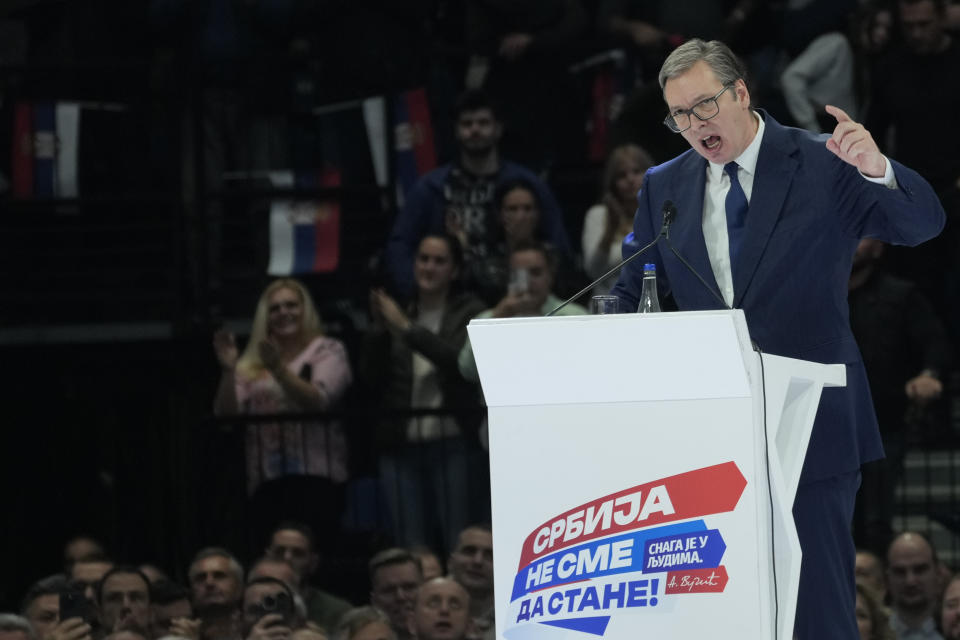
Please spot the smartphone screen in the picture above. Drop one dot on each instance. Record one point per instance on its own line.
(73, 604)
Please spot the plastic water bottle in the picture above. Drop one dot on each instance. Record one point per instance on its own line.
(649, 303)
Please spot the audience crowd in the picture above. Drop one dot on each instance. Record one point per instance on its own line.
(411, 596)
(485, 235)
(908, 593)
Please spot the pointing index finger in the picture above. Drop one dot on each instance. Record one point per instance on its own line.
(838, 113)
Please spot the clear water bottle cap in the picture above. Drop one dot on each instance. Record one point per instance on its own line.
(649, 267)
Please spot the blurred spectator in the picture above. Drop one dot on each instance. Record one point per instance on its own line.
(532, 272)
(395, 576)
(410, 359)
(123, 596)
(85, 574)
(515, 41)
(905, 352)
(81, 548)
(950, 614)
(172, 612)
(459, 197)
(267, 567)
(910, 84)
(869, 570)
(872, 621)
(471, 565)
(914, 587)
(288, 365)
(14, 627)
(441, 611)
(293, 543)
(216, 584)
(520, 221)
(821, 74)
(41, 608)
(608, 222)
(268, 610)
(653, 29)
(430, 564)
(873, 28)
(364, 623)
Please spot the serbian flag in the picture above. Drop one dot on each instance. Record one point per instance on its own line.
(414, 152)
(607, 97)
(304, 234)
(44, 150)
(44, 161)
(22, 160)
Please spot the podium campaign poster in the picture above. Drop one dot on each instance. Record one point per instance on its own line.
(629, 520)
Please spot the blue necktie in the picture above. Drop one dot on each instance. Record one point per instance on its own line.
(736, 204)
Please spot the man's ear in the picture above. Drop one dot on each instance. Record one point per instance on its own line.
(743, 94)
(314, 563)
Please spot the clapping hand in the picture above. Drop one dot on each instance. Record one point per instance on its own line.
(383, 307)
(270, 354)
(225, 347)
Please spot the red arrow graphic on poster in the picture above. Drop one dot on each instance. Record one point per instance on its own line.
(693, 494)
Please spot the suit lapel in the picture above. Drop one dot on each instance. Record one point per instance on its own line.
(771, 182)
(686, 234)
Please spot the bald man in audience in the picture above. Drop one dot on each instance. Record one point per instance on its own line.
(914, 587)
(441, 611)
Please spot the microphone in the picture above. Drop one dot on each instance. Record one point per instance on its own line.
(672, 213)
(669, 212)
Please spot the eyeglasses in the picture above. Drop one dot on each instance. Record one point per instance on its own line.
(704, 110)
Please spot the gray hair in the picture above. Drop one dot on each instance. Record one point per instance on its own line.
(725, 64)
(13, 622)
(356, 619)
(218, 552)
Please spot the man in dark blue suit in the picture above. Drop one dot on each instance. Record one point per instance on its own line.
(771, 216)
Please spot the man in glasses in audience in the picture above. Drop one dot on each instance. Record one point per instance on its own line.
(770, 217)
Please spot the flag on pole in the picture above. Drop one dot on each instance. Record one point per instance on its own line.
(304, 234)
(22, 161)
(67, 149)
(44, 150)
(414, 150)
(374, 117)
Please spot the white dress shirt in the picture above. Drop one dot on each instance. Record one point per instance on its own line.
(715, 211)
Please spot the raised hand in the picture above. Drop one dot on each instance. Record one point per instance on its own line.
(388, 310)
(70, 629)
(185, 628)
(225, 347)
(270, 627)
(853, 144)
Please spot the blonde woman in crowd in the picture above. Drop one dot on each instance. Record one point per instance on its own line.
(608, 222)
(295, 469)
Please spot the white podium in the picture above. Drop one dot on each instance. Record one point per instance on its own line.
(643, 470)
